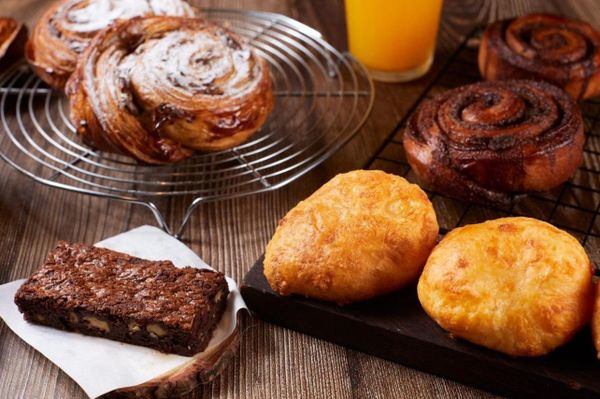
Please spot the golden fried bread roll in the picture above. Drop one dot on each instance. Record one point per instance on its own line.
(516, 285)
(363, 234)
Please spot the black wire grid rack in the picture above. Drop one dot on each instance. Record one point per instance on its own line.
(573, 206)
(322, 98)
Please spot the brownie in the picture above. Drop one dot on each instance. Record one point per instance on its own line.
(96, 291)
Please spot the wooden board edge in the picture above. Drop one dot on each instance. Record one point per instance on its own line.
(202, 370)
(400, 348)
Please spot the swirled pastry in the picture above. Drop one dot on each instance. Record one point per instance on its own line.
(13, 35)
(485, 141)
(158, 88)
(362, 234)
(516, 285)
(559, 50)
(65, 30)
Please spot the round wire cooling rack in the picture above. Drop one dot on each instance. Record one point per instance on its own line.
(322, 97)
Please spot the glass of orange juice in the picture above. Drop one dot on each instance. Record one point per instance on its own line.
(394, 39)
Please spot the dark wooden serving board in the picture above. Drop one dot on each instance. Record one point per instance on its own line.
(395, 327)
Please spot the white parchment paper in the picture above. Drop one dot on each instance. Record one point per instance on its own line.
(100, 365)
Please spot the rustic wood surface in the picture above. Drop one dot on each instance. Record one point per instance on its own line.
(272, 362)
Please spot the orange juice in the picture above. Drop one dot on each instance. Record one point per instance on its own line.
(393, 38)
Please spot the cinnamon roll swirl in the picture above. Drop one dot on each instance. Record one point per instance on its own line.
(486, 141)
(13, 35)
(158, 88)
(546, 47)
(67, 27)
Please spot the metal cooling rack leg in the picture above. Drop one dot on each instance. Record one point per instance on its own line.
(188, 214)
(158, 216)
(160, 220)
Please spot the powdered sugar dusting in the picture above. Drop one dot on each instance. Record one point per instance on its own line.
(192, 63)
(94, 15)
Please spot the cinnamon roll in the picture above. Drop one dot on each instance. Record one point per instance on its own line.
(67, 27)
(13, 35)
(558, 50)
(486, 141)
(158, 88)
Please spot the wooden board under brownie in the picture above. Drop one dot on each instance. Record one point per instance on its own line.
(395, 327)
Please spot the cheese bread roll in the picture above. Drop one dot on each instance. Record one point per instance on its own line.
(363, 234)
(516, 285)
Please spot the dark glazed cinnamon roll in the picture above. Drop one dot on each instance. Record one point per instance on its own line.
(555, 49)
(158, 88)
(485, 141)
(13, 35)
(68, 26)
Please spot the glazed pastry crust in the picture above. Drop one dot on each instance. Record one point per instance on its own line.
(486, 141)
(158, 88)
(68, 26)
(362, 234)
(596, 321)
(546, 47)
(516, 285)
(13, 36)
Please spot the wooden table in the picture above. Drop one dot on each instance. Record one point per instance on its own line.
(272, 362)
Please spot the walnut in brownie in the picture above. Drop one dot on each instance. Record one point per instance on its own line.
(96, 291)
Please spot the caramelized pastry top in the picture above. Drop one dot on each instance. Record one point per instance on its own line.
(158, 88)
(559, 50)
(485, 141)
(68, 26)
(13, 35)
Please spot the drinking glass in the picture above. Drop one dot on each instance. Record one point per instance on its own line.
(394, 39)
